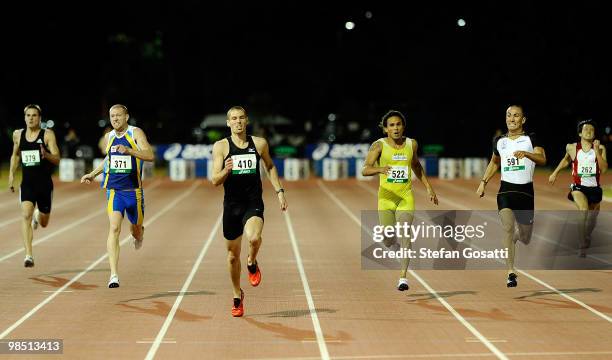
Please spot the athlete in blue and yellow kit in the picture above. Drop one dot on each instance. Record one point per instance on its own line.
(127, 147)
(394, 158)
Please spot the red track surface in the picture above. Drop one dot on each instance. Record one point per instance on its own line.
(314, 301)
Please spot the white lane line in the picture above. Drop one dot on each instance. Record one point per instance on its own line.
(596, 312)
(445, 355)
(55, 207)
(311, 306)
(541, 282)
(162, 332)
(444, 303)
(95, 263)
(64, 229)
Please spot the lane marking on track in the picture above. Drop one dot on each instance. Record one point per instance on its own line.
(64, 229)
(541, 282)
(167, 208)
(441, 300)
(311, 306)
(164, 329)
(446, 355)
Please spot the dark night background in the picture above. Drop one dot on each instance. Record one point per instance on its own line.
(172, 63)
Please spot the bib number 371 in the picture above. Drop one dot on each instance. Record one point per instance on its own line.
(120, 164)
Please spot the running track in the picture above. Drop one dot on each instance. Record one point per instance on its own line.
(314, 302)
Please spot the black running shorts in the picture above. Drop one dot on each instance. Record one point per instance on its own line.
(518, 197)
(594, 194)
(41, 196)
(236, 214)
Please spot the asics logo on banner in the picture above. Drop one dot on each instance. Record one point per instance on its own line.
(399, 157)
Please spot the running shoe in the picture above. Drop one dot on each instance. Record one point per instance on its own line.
(254, 274)
(28, 261)
(511, 282)
(238, 307)
(402, 285)
(113, 282)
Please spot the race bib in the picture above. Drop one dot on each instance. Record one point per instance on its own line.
(512, 163)
(30, 157)
(244, 164)
(120, 164)
(398, 174)
(587, 169)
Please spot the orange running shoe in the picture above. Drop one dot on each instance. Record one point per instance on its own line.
(255, 277)
(238, 311)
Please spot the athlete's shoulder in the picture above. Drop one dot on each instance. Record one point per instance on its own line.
(17, 134)
(534, 139)
(377, 144)
(220, 144)
(259, 140)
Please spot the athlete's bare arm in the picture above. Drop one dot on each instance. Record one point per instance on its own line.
(489, 172)
(602, 158)
(567, 159)
(220, 172)
(53, 156)
(420, 173)
(538, 155)
(369, 168)
(264, 151)
(144, 152)
(15, 158)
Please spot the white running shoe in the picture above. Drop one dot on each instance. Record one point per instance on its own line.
(28, 261)
(35, 219)
(402, 285)
(113, 282)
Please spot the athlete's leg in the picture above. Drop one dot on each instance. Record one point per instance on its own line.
(43, 212)
(404, 217)
(252, 233)
(591, 222)
(135, 214)
(233, 263)
(112, 243)
(509, 241)
(27, 209)
(582, 204)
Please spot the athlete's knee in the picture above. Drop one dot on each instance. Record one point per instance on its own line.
(254, 239)
(114, 228)
(27, 216)
(233, 257)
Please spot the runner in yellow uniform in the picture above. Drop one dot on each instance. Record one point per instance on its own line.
(394, 158)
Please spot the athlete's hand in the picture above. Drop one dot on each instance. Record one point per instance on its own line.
(432, 195)
(596, 144)
(552, 178)
(282, 201)
(481, 189)
(385, 170)
(520, 154)
(122, 149)
(229, 164)
(87, 179)
(43, 153)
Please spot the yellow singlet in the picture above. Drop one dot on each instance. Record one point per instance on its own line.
(395, 189)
